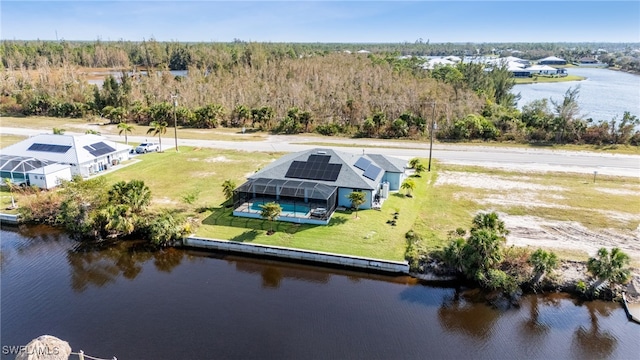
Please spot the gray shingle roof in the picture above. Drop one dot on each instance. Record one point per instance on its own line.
(349, 176)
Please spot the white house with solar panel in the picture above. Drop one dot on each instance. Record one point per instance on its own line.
(310, 185)
(42, 160)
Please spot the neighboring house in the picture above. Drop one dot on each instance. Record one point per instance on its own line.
(435, 62)
(588, 60)
(310, 185)
(21, 170)
(84, 154)
(552, 60)
(542, 70)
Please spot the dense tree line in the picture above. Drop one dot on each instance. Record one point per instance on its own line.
(180, 56)
(294, 88)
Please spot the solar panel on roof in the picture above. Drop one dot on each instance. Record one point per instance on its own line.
(319, 159)
(59, 149)
(372, 172)
(362, 163)
(318, 169)
(99, 149)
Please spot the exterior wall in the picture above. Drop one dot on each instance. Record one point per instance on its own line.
(50, 180)
(344, 201)
(394, 180)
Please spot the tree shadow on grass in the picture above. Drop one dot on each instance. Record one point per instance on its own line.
(246, 236)
(337, 221)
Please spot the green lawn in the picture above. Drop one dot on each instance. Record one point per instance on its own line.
(547, 79)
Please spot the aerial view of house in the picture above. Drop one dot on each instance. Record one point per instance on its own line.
(42, 160)
(310, 185)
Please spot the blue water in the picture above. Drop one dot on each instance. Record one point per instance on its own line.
(298, 210)
(603, 95)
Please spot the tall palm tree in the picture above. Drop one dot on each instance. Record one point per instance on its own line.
(357, 198)
(158, 128)
(125, 128)
(227, 188)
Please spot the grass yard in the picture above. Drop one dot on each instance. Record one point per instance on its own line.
(547, 79)
(6, 139)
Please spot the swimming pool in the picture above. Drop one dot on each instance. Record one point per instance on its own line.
(297, 210)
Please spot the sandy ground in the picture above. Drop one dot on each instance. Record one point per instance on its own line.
(540, 232)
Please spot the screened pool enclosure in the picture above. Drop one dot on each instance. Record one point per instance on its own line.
(299, 199)
(16, 168)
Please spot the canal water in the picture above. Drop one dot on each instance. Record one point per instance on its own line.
(125, 301)
(603, 95)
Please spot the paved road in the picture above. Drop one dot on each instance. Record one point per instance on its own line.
(487, 156)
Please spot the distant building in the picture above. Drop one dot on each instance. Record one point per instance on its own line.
(588, 60)
(552, 60)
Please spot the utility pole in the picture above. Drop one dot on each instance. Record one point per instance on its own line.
(433, 120)
(175, 119)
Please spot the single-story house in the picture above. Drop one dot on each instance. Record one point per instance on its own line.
(588, 60)
(552, 60)
(311, 184)
(542, 69)
(21, 170)
(85, 154)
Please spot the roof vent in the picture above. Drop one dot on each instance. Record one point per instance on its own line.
(322, 152)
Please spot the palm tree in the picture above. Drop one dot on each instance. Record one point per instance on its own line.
(413, 162)
(357, 198)
(227, 188)
(489, 221)
(270, 211)
(125, 128)
(419, 168)
(542, 262)
(609, 267)
(409, 185)
(58, 131)
(158, 128)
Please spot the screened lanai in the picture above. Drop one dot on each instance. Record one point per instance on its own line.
(16, 167)
(298, 199)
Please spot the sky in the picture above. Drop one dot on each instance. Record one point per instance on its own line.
(323, 21)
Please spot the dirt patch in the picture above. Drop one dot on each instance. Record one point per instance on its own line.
(202, 174)
(164, 201)
(490, 182)
(218, 159)
(538, 232)
(618, 191)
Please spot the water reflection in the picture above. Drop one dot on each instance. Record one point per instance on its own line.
(273, 273)
(594, 342)
(533, 326)
(460, 313)
(102, 264)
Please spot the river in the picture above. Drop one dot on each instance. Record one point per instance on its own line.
(603, 95)
(128, 302)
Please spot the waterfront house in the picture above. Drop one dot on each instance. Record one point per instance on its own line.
(85, 155)
(23, 170)
(552, 60)
(311, 184)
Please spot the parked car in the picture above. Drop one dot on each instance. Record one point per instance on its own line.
(147, 147)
